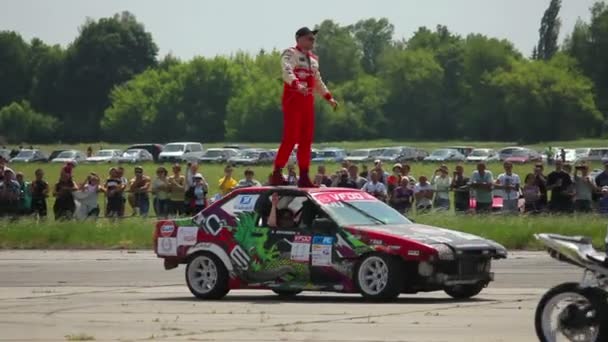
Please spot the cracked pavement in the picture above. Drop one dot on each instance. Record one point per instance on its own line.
(127, 296)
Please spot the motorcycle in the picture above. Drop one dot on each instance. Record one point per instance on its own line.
(575, 311)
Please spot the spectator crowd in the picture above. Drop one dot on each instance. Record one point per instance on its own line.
(177, 193)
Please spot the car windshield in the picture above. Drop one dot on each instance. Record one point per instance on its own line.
(479, 153)
(130, 153)
(441, 153)
(360, 153)
(214, 153)
(391, 152)
(519, 153)
(326, 154)
(25, 154)
(104, 154)
(173, 148)
(363, 213)
(66, 154)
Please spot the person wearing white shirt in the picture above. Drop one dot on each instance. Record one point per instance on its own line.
(423, 191)
(509, 183)
(375, 188)
(441, 184)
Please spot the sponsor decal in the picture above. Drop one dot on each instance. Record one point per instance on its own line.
(321, 250)
(167, 230)
(300, 248)
(413, 252)
(212, 224)
(328, 198)
(187, 236)
(167, 246)
(375, 242)
(240, 258)
(245, 202)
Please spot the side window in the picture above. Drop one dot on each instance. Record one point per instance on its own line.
(240, 204)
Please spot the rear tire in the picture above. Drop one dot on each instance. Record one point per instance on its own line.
(207, 277)
(464, 291)
(379, 277)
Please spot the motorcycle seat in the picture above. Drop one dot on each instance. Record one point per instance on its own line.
(583, 240)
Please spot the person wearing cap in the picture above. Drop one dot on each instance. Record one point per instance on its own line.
(139, 188)
(302, 79)
(196, 196)
(248, 181)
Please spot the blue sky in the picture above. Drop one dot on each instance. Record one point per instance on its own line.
(199, 27)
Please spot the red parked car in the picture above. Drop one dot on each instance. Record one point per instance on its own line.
(341, 240)
(524, 156)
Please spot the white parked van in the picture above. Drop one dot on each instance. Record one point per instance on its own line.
(180, 151)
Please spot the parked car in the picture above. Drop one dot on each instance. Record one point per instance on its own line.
(364, 155)
(506, 152)
(218, 155)
(347, 241)
(421, 154)
(135, 156)
(252, 156)
(571, 156)
(445, 155)
(482, 155)
(5, 154)
(54, 154)
(180, 151)
(154, 149)
(69, 156)
(105, 156)
(29, 156)
(330, 155)
(398, 154)
(464, 150)
(236, 146)
(597, 154)
(523, 156)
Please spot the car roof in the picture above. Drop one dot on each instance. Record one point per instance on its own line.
(182, 143)
(294, 188)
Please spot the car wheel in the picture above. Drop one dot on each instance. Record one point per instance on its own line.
(287, 293)
(207, 277)
(465, 291)
(379, 277)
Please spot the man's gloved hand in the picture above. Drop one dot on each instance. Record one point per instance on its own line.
(333, 103)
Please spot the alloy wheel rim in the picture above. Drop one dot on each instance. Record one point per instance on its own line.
(203, 274)
(373, 275)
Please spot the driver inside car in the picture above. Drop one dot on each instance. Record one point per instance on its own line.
(281, 218)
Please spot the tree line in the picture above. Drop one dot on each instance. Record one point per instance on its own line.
(109, 84)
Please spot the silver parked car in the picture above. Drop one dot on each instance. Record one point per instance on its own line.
(135, 156)
(330, 155)
(399, 154)
(218, 155)
(482, 155)
(364, 154)
(252, 156)
(105, 156)
(70, 156)
(29, 156)
(444, 155)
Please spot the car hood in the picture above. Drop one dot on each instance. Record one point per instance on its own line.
(357, 158)
(475, 158)
(63, 160)
(428, 235)
(99, 158)
(171, 154)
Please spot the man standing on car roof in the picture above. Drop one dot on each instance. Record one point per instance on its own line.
(302, 79)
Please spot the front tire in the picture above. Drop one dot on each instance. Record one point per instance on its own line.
(464, 291)
(379, 277)
(207, 277)
(568, 325)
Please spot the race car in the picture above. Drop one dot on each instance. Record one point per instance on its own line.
(341, 240)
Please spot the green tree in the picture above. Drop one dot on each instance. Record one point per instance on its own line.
(15, 77)
(339, 54)
(549, 31)
(373, 37)
(107, 52)
(21, 123)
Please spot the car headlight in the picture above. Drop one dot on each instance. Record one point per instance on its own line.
(444, 252)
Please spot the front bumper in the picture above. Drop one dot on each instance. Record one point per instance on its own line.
(461, 271)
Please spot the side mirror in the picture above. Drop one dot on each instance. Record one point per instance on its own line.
(324, 225)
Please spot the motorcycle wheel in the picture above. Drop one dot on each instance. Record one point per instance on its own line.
(554, 323)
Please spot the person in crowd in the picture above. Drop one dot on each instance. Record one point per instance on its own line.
(603, 203)
(423, 191)
(4, 167)
(560, 183)
(374, 187)
(191, 170)
(601, 180)
(139, 186)
(160, 190)
(345, 181)
(249, 180)
(541, 181)
(345, 164)
(9, 194)
(196, 195)
(126, 195)
(460, 186)
(532, 194)
(406, 171)
(379, 168)
(87, 199)
(227, 183)
(353, 174)
(114, 188)
(322, 176)
(584, 187)
(292, 177)
(393, 181)
(40, 192)
(482, 182)
(64, 206)
(562, 155)
(441, 183)
(177, 192)
(89, 152)
(364, 172)
(402, 196)
(509, 183)
(25, 195)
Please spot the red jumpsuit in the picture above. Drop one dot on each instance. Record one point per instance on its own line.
(299, 67)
